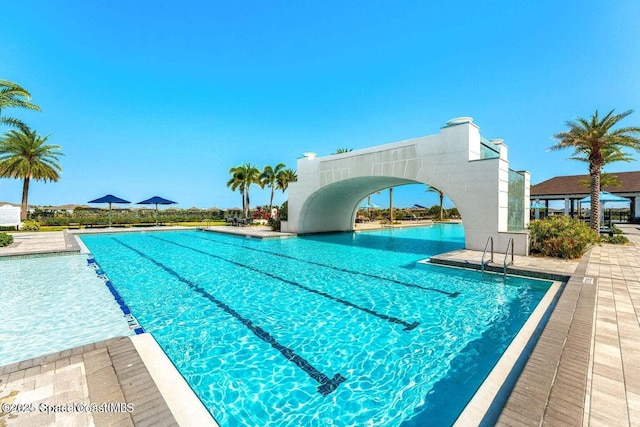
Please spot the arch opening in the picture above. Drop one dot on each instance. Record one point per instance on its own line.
(335, 207)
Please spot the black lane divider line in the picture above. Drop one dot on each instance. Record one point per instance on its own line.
(344, 270)
(407, 326)
(327, 385)
(131, 320)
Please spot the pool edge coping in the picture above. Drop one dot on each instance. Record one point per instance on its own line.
(555, 348)
(564, 348)
(182, 401)
(507, 369)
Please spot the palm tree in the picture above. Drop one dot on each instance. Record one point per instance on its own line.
(24, 155)
(343, 150)
(431, 189)
(236, 183)
(241, 179)
(284, 177)
(269, 177)
(14, 95)
(594, 141)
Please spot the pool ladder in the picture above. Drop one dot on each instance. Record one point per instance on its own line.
(482, 263)
(510, 244)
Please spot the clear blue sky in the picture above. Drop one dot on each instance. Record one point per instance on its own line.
(162, 98)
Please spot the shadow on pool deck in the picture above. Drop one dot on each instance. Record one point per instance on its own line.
(584, 370)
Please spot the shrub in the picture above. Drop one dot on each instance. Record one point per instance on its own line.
(561, 237)
(30, 226)
(616, 239)
(262, 212)
(283, 212)
(274, 223)
(5, 239)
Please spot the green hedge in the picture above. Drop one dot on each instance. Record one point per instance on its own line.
(5, 239)
(561, 237)
(123, 216)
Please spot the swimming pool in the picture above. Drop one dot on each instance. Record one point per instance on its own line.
(54, 303)
(336, 329)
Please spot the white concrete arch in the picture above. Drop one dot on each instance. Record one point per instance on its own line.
(471, 171)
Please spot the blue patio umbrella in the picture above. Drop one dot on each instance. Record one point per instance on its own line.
(368, 206)
(420, 206)
(604, 197)
(109, 198)
(156, 200)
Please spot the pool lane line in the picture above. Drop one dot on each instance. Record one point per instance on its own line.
(327, 385)
(344, 270)
(131, 320)
(407, 326)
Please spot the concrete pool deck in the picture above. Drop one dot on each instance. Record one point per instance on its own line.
(584, 369)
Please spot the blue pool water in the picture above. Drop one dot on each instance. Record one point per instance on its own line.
(337, 329)
(50, 304)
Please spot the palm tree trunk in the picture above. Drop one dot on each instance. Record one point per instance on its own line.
(595, 198)
(248, 205)
(25, 195)
(271, 200)
(244, 200)
(441, 202)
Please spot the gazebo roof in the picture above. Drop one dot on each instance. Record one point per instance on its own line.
(564, 185)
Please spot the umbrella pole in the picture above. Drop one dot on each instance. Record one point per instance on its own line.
(109, 215)
(157, 214)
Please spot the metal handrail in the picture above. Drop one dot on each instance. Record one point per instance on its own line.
(507, 254)
(489, 240)
(204, 223)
